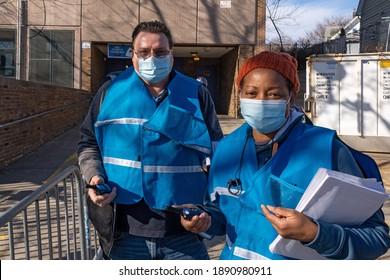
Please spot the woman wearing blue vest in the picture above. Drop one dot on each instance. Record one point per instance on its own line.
(147, 136)
(260, 171)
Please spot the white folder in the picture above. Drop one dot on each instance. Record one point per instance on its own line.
(337, 198)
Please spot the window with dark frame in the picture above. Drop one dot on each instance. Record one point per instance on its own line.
(52, 57)
(7, 53)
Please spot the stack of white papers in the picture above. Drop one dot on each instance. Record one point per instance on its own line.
(337, 198)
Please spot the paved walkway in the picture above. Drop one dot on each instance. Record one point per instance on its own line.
(31, 171)
(28, 173)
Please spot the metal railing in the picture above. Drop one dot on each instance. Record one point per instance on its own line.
(50, 223)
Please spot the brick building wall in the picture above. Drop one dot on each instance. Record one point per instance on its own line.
(86, 66)
(97, 69)
(227, 99)
(32, 114)
(261, 29)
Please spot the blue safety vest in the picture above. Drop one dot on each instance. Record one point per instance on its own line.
(151, 152)
(280, 182)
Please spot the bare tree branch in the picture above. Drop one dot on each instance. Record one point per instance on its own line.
(281, 13)
(318, 33)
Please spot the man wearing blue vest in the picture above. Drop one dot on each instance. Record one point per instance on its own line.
(260, 171)
(147, 137)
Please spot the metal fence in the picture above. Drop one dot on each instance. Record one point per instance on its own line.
(50, 223)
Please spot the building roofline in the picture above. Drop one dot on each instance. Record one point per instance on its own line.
(359, 8)
(348, 27)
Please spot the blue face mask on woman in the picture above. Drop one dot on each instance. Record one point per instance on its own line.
(265, 116)
(154, 69)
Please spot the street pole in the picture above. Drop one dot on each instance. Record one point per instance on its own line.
(21, 40)
(18, 39)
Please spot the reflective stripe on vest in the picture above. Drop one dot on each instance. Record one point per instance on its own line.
(173, 169)
(122, 162)
(151, 168)
(247, 254)
(222, 191)
(120, 121)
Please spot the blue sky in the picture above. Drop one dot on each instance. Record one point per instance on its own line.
(311, 13)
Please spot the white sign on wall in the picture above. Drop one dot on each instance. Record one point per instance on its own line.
(385, 67)
(86, 45)
(225, 4)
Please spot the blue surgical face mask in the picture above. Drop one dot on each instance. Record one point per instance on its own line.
(154, 69)
(265, 116)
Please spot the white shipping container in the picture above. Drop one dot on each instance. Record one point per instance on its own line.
(351, 94)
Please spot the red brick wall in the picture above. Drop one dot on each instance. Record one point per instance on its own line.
(32, 113)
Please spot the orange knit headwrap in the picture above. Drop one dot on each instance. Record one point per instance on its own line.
(282, 63)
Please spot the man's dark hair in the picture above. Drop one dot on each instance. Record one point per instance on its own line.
(153, 27)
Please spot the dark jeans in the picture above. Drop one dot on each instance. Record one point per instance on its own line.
(178, 247)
